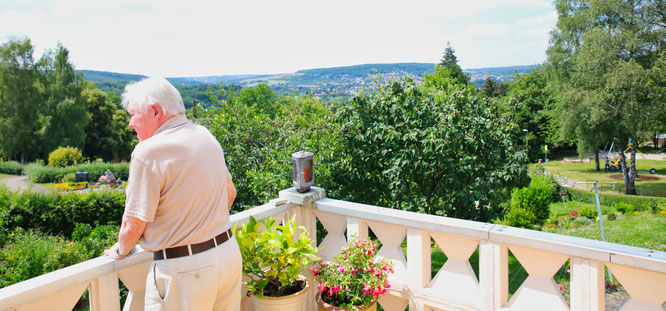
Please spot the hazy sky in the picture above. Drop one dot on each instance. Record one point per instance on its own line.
(196, 37)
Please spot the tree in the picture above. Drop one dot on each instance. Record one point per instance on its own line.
(605, 57)
(19, 101)
(433, 147)
(535, 112)
(261, 97)
(449, 64)
(102, 139)
(65, 116)
(492, 88)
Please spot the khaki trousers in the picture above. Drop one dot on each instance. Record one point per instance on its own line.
(210, 280)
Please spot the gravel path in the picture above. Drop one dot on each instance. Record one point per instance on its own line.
(20, 183)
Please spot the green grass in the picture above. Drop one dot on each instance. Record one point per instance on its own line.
(586, 172)
(645, 230)
(5, 175)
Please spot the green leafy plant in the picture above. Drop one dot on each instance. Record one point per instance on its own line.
(65, 156)
(588, 211)
(520, 217)
(11, 167)
(354, 278)
(623, 208)
(274, 258)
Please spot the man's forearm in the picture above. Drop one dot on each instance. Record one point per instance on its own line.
(131, 230)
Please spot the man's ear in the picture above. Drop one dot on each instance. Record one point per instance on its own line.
(157, 111)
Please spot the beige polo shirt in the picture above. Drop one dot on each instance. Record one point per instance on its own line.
(178, 185)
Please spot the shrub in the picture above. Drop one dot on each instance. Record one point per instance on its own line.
(588, 212)
(57, 213)
(640, 203)
(623, 208)
(69, 186)
(612, 216)
(11, 167)
(65, 156)
(520, 217)
(29, 254)
(535, 198)
(95, 240)
(47, 174)
(69, 177)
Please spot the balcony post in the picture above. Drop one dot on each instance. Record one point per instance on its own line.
(104, 293)
(418, 263)
(356, 226)
(493, 274)
(587, 284)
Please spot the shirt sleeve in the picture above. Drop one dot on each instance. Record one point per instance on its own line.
(142, 192)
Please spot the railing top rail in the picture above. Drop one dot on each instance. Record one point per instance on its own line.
(573, 246)
(49, 283)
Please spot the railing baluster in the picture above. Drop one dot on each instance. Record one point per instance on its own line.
(104, 293)
(418, 263)
(587, 285)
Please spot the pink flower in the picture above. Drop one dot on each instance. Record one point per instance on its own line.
(559, 286)
(342, 270)
(354, 271)
(385, 268)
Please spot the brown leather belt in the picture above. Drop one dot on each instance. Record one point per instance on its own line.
(182, 251)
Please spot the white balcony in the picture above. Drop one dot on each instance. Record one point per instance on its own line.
(641, 272)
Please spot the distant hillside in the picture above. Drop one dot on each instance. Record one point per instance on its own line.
(338, 83)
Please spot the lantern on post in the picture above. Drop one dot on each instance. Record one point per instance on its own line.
(303, 170)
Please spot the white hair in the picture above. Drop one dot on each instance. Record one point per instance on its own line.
(153, 91)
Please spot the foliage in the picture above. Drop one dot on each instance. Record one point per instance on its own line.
(57, 213)
(354, 278)
(520, 217)
(258, 147)
(589, 211)
(95, 240)
(640, 203)
(105, 137)
(261, 98)
(273, 258)
(47, 174)
(29, 254)
(535, 113)
(20, 101)
(492, 88)
(449, 64)
(433, 147)
(534, 199)
(623, 208)
(65, 156)
(11, 167)
(69, 186)
(607, 60)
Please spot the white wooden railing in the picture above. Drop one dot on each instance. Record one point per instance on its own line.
(641, 272)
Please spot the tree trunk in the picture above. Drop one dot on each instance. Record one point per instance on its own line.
(632, 169)
(596, 159)
(22, 157)
(655, 141)
(629, 186)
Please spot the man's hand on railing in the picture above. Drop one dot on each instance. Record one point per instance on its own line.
(114, 253)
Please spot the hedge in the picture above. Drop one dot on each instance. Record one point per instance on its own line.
(48, 174)
(57, 213)
(640, 203)
(11, 167)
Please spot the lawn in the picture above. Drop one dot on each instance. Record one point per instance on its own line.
(5, 175)
(644, 230)
(587, 172)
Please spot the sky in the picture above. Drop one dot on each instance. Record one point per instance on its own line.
(177, 38)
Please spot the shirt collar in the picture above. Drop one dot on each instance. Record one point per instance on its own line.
(172, 122)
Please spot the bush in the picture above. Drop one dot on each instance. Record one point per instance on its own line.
(640, 203)
(65, 156)
(536, 198)
(623, 208)
(47, 174)
(69, 177)
(588, 212)
(11, 167)
(95, 240)
(520, 217)
(29, 254)
(57, 213)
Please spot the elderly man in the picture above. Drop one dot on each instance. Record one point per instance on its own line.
(178, 201)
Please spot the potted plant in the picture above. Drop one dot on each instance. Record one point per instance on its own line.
(354, 280)
(272, 262)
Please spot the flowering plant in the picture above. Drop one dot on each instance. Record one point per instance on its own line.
(354, 278)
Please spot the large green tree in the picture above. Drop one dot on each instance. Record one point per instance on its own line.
(65, 115)
(449, 65)
(20, 101)
(433, 147)
(605, 56)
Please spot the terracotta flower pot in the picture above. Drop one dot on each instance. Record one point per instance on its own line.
(323, 306)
